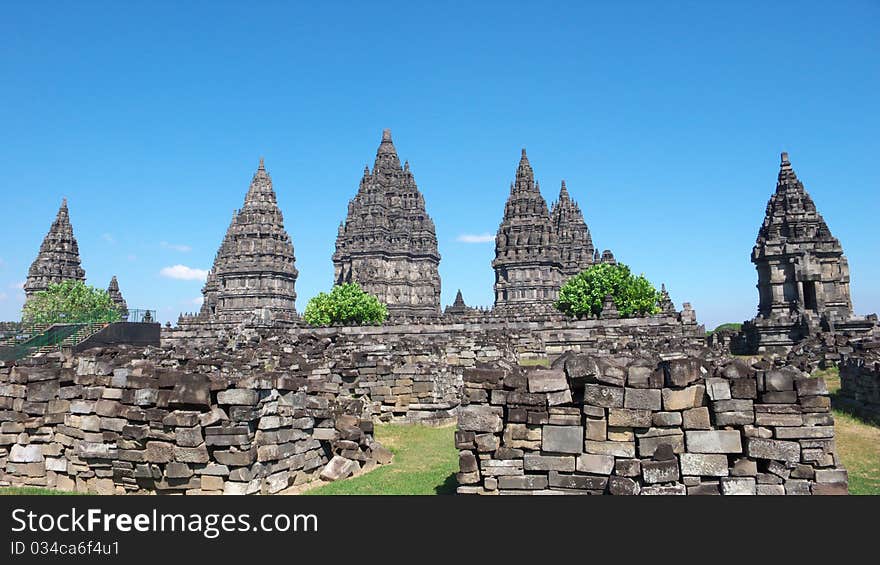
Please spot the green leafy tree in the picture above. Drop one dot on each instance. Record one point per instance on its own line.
(583, 294)
(345, 304)
(70, 302)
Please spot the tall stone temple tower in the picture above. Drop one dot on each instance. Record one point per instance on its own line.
(58, 259)
(253, 272)
(575, 243)
(387, 243)
(116, 297)
(803, 276)
(528, 264)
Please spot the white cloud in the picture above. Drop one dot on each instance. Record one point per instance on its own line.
(18, 285)
(3, 296)
(108, 237)
(197, 301)
(132, 257)
(176, 247)
(184, 273)
(475, 238)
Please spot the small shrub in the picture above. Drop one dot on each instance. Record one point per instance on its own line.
(345, 304)
(583, 294)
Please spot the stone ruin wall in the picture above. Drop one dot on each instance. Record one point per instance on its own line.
(860, 381)
(624, 425)
(146, 420)
(413, 372)
(259, 410)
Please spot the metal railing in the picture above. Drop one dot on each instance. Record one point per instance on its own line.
(141, 317)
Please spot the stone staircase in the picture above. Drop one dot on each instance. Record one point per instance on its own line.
(46, 338)
(82, 333)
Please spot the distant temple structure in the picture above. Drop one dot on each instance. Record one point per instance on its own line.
(803, 275)
(536, 250)
(117, 299)
(387, 243)
(58, 259)
(253, 272)
(572, 233)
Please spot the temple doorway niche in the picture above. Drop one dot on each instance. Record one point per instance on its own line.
(810, 295)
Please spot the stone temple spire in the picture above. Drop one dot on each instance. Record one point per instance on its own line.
(388, 243)
(58, 259)
(527, 259)
(254, 271)
(116, 297)
(575, 243)
(803, 276)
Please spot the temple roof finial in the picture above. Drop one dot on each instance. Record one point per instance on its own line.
(262, 166)
(386, 134)
(563, 192)
(784, 157)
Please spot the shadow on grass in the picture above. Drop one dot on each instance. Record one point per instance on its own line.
(448, 486)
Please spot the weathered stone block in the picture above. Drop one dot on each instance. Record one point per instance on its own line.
(595, 430)
(624, 486)
(613, 448)
(534, 462)
(546, 380)
(579, 482)
(626, 418)
(666, 419)
(759, 448)
(704, 465)
(563, 439)
(738, 486)
(683, 399)
(596, 464)
(682, 372)
(603, 396)
(642, 399)
(480, 418)
(696, 419)
(660, 471)
(467, 462)
(718, 389)
(523, 482)
(25, 454)
(239, 397)
(159, 452)
(714, 441)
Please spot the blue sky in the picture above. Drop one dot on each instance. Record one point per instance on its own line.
(666, 119)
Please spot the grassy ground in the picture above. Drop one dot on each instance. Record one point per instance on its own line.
(425, 462)
(858, 442)
(33, 491)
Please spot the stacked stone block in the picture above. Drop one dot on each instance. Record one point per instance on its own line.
(414, 372)
(654, 426)
(130, 422)
(860, 381)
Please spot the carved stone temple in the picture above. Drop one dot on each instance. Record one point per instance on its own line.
(58, 259)
(116, 297)
(536, 250)
(387, 243)
(803, 275)
(254, 272)
(528, 264)
(575, 243)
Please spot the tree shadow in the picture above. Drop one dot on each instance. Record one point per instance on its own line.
(448, 486)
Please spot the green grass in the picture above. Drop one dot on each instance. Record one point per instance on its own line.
(35, 491)
(728, 326)
(857, 440)
(425, 462)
